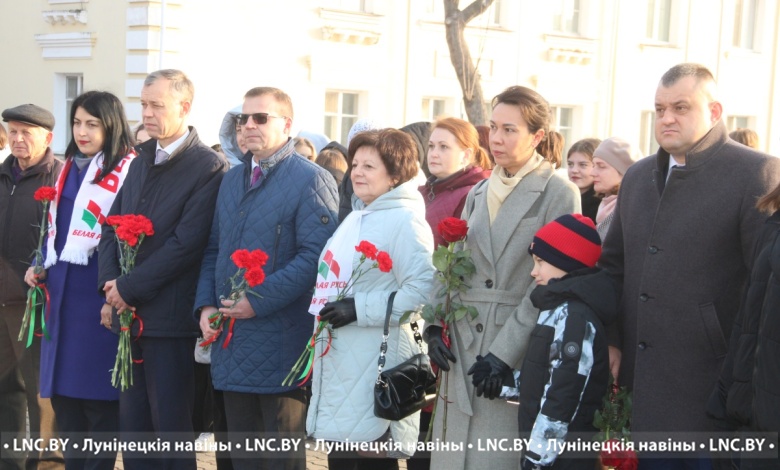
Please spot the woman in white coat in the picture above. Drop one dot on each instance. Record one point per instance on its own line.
(389, 212)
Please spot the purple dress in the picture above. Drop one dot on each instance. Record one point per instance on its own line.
(77, 361)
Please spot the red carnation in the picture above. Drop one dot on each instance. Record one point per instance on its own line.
(114, 220)
(453, 229)
(367, 249)
(129, 228)
(241, 258)
(384, 261)
(257, 258)
(45, 194)
(254, 276)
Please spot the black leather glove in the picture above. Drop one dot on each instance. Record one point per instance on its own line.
(339, 313)
(489, 375)
(439, 353)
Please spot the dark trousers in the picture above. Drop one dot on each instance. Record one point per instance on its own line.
(81, 418)
(203, 414)
(13, 401)
(281, 416)
(224, 462)
(159, 403)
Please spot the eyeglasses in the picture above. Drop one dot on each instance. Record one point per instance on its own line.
(258, 118)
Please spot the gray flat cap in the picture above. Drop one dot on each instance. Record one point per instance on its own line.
(30, 114)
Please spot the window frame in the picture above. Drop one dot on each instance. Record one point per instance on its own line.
(566, 131)
(647, 143)
(63, 101)
(560, 17)
(339, 115)
(653, 24)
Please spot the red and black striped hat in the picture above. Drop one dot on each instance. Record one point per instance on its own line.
(569, 242)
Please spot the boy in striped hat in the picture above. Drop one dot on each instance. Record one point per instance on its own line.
(565, 372)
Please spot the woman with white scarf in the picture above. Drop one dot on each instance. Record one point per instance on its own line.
(77, 359)
(389, 212)
(611, 159)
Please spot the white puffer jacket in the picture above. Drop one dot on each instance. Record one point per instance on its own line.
(342, 403)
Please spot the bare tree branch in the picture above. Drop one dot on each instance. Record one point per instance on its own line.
(476, 8)
(468, 76)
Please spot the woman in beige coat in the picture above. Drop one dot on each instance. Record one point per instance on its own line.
(503, 212)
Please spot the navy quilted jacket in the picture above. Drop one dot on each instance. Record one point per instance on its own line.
(290, 215)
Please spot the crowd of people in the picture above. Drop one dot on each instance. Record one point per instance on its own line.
(668, 288)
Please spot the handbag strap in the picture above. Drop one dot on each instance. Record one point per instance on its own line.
(386, 333)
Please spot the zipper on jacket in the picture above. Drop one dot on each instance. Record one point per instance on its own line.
(276, 246)
(13, 188)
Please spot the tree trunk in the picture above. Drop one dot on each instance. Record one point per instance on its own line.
(455, 22)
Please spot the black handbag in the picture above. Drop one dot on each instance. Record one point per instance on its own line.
(407, 387)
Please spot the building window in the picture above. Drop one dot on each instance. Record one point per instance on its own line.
(66, 88)
(647, 143)
(494, 13)
(745, 20)
(739, 122)
(351, 5)
(432, 108)
(659, 18)
(563, 123)
(566, 16)
(341, 112)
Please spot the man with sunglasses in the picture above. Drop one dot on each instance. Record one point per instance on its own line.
(286, 206)
(174, 182)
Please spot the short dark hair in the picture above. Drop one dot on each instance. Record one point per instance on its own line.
(285, 103)
(396, 149)
(181, 85)
(118, 140)
(687, 69)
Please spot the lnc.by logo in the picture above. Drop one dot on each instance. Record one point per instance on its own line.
(327, 265)
(92, 215)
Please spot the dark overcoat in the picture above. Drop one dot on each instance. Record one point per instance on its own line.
(682, 249)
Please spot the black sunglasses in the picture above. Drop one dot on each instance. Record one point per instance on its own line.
(258, 118)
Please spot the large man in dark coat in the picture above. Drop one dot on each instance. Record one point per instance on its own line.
(681, 242)
(174, 182)
(30, 166)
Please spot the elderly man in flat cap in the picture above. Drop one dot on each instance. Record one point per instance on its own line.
(30, 166)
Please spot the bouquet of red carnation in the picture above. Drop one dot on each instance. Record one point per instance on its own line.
(130, 231)
(304, 365)
(250, 274)
(453, 268)
(38, 295)
(613, 421)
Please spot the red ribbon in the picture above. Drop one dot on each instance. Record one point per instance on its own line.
(445, 334)
(230, 333)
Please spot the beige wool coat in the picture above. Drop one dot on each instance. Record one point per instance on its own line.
(500, 291)
(683, 248)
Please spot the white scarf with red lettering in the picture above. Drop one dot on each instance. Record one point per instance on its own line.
(92, 203)
(335, 265)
